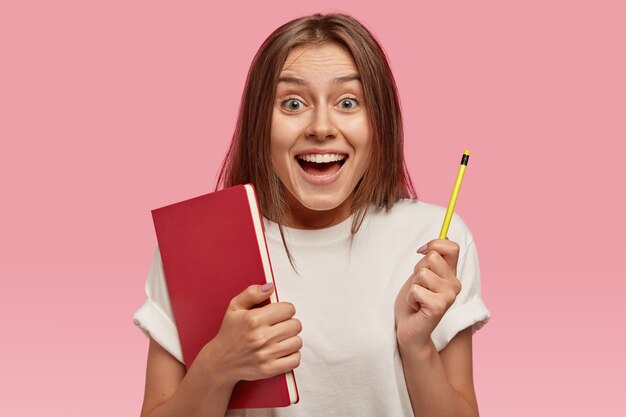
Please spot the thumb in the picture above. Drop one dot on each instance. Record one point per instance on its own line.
(251, 296)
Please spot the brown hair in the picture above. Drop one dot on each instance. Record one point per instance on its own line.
(248, 160)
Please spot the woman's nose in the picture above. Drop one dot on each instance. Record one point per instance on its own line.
(322, 126)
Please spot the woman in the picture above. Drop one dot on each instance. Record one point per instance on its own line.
(382, 330)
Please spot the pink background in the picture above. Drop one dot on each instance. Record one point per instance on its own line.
(110, 109)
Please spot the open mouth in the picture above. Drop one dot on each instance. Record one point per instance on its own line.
(321, 165)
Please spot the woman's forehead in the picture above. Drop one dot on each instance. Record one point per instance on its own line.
(315, 58)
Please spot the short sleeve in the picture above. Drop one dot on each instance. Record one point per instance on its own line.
(155, 316)
(468, 308)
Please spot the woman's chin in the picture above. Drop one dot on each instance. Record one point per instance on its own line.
(321, 204)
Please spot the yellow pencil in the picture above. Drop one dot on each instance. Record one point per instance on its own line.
(455, 194)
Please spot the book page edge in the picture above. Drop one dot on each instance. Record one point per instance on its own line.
(258, 227)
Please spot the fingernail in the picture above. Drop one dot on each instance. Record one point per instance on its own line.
(266, 287)
(422, 250)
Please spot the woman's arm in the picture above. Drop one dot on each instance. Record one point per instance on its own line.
(253, 343)
(172, 391)
(440, 384)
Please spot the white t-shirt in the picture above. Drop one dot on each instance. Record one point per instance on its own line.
(344, 299)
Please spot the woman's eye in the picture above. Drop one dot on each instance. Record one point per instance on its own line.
(348, 103)
(292, 104)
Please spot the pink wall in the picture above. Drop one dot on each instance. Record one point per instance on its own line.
(110, 110)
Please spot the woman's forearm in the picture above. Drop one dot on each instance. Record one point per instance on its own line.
(197, 395)
(430, 390)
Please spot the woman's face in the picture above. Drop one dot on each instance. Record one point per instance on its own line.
(320, 134)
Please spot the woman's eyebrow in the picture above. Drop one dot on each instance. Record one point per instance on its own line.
(300, 81)
(347, 78)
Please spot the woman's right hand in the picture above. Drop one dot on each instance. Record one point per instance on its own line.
(255, 343)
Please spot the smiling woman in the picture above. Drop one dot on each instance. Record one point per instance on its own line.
(382, 329)
(320, 77)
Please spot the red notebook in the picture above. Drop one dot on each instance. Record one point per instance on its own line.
(213, 247)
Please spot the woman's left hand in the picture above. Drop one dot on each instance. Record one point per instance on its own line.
(427, 294)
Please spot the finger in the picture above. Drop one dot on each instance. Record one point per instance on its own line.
(430, 280)
(287, 363)
(284, 330)
(436, 263)
(277, 366)
(418, 295)
(448, 249)
(427, 301)
(251, 296)
(275, 313)
(286, 347)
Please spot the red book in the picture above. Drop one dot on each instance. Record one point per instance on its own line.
(213, 247)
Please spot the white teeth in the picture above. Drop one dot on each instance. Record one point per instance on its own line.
(319, 158)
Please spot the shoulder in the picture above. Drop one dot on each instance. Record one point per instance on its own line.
(421, 220)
